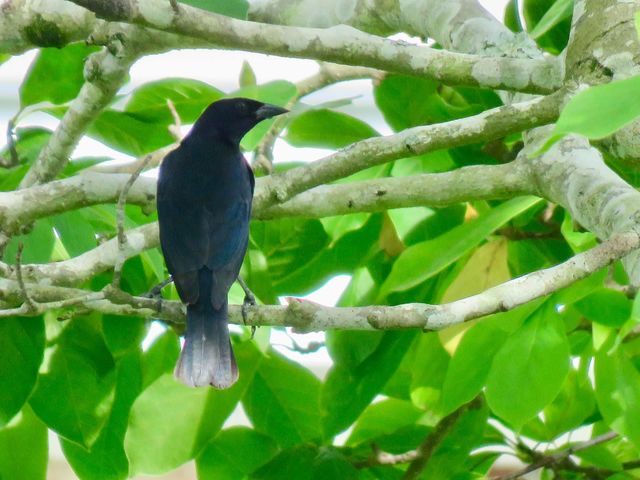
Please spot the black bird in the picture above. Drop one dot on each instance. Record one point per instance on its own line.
(205, 188)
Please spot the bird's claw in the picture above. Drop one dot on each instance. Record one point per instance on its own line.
(249, 301)
(156, 292)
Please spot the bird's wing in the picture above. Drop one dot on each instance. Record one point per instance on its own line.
(228, 234)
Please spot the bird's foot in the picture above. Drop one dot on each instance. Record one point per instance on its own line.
(249, 301)
(156, 292)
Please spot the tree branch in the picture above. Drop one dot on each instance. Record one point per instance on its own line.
(307, 316)
(495, 123)
(560, 460)
(21, 207)
(426, 450)
(340, 44)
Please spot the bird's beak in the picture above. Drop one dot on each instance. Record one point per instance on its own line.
(268, 111)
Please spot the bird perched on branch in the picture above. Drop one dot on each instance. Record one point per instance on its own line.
(205, 188)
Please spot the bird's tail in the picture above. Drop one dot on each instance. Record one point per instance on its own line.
(207, 357)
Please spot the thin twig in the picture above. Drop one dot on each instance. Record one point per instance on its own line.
(174, 129)
(378, 457)
(122, 238)
(44, 307)
(14, 158)
(426, 450)
(560, 459)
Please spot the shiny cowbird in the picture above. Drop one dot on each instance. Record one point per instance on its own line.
(205, 188)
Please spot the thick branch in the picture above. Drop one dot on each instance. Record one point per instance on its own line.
(433, 190)
(340, 44)
(573, 174)
(480, 182)
(307, 316)
(46, 23)
(488, 125)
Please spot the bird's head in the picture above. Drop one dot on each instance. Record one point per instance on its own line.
(231, 118)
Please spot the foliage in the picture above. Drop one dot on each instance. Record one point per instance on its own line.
(119, 412)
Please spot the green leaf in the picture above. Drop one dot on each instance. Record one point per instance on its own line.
(296, 462)
(423, 260)
(189, 97)
(127, 133)
(283, 401)
(160, 357)
(29, 142)
(350, 387)
(574, 404)
(107, 460)
(469, 366)
(76, 235)
(530, 368)
(37, 244)
(230, 8)
(599, 111)
(306, 462)
(559, 11)
(605, 306)
(23, 448)
(80, 371)
(383, 418)
(452, 455)
(411, 101)
(486, 268)
(578, 241)
(170, 423)
(327, 129)
(123, 334)
(56, 75)
(247, 75)
(289, 245)
(21, 351)
(618, 391)
(431, 363)
(221, 458)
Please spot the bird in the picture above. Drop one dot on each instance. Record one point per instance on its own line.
(204, 194)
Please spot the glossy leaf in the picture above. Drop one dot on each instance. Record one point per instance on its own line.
(170, 423)
(383, 418)
(106, 459)
(605, 306)
(559, 11)
(230, 8)
(189, 97)
(529, 369)
(600, 111)
(327, 129)
(21, 352)
(81, 370)
(350, 387)
(37, 244)
(470, 364)
(431, 362)
(23, 448)
(425, 259)
(56, 75)
(618, 392)
(283, 401)
(235, 453)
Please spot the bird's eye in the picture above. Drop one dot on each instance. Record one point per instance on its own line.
(242, 107)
